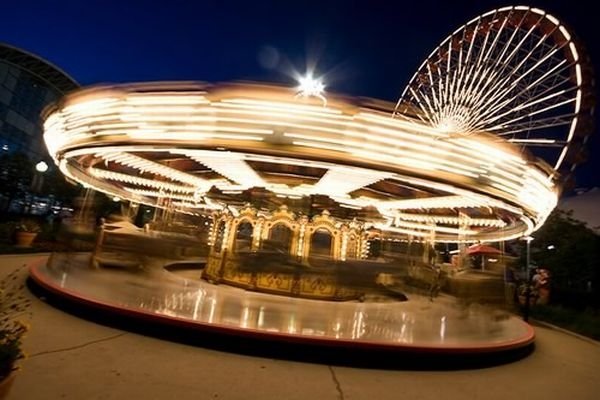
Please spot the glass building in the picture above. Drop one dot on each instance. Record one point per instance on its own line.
(27, 84)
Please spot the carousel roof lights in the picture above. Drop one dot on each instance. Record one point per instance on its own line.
(230, 165)
(91, 106)
(451, 220)
(430, 228)
(409, 232)
(339, 181)
(115, 176)
(431, 202)
(178, 99)
(144, 165)
(160, 193)
(388, 137)
(287, 107)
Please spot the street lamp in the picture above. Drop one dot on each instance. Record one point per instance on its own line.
(36, 183)
(528, 239)
(41, 167)
(38, 177)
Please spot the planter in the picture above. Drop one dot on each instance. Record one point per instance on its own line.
(6, 384)
(25, 239)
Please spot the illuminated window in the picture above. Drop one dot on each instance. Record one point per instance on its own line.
(280, 239)
(243, 237)
(321, 243)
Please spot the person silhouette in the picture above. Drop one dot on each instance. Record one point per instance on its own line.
(435, 286)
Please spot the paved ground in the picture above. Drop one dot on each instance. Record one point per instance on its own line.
(71, 358)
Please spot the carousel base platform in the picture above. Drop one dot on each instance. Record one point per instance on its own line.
(152, 294)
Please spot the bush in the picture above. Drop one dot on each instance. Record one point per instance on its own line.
(27, 225)
(7, 230)
(13, 306)
(585, 322)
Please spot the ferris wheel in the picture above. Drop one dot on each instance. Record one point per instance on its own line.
(515, 72)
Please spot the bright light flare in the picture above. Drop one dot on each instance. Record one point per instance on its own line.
(311, 87)
(41, 167)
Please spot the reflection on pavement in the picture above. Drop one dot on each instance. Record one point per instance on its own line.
(417, 322)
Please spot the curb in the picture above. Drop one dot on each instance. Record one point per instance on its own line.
(563, 330)
(37, 254)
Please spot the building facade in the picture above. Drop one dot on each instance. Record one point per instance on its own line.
(27, 85)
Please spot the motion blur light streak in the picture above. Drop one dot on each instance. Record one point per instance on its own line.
(516, 188)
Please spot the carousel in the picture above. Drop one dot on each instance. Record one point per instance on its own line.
(285, 254)
(302, 193)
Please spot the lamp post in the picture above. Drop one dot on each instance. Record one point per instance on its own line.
(41, 166)
(38, 177)
(528, 239)
(36, 184)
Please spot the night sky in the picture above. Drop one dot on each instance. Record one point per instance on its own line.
(363, 48)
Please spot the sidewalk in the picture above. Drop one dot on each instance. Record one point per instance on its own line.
(71, 358)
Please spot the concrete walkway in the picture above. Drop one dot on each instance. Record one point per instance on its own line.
(71, 358)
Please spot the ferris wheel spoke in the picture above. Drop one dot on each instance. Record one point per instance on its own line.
(490, 72)
(497, 37)
(482, 49)
(548, 108)
(491, 76)
(527, 126)
(521, 109)
(440, 84)
(420, 105)
(432, 81)
(449, 60)
(514, 98)
(524, 106)
(556, 70)
(505, 63)
(499, 94)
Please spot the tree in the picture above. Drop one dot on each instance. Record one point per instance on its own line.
(55, 184)
(16, 173)
(571, 251)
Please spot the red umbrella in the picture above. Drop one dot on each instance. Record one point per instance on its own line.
(482, 249)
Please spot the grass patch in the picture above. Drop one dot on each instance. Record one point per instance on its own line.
(586, 323)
